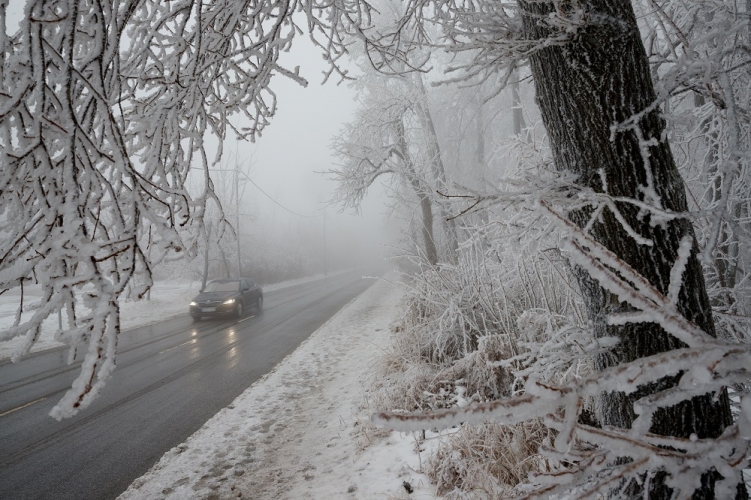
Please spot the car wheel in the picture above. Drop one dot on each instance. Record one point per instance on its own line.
(259, 304)
(239, 310)
(196, 319)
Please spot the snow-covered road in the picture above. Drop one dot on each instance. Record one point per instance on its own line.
(297, 433)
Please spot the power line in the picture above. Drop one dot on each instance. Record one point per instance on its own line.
(259, 188)
(272, 199)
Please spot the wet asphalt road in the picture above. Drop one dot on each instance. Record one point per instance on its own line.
(171, 377)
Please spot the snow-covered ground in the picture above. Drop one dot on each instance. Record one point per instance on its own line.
(168, 300)
(299, 433)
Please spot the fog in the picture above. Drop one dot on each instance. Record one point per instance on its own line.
(288, 224)
(566, 186)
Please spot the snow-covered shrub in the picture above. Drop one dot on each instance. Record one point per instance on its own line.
(473, 333)
(559, 397)
(490, 296)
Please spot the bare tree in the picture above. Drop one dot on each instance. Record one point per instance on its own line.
(439, 171)
(379, 143)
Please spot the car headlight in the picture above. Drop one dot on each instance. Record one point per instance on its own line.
(229, 301)
(193, 303)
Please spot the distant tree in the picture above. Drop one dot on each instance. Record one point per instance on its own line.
(381, 142)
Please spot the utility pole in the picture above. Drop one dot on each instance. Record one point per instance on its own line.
(325, 271)
(237, 172)
(207, 230)
(237, 206)
(237, 213)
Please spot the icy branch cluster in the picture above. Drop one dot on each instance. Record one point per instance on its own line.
(701, 51)
(105, 108)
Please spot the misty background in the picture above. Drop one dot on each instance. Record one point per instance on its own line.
(288, 227)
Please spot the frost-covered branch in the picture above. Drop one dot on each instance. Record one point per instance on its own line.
(104, 110)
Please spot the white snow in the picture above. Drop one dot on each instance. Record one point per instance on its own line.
(302, 430)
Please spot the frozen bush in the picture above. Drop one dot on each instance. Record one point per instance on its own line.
(473, 333)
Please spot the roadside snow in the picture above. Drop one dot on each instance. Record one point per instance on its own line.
(168, 300)
(301, 431)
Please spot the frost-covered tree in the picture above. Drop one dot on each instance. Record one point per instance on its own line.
(603, 126)
(632, 245)
(387, 138)
(104, 109)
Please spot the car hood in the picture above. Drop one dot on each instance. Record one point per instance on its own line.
(215, 296)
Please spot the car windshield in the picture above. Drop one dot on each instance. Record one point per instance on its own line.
(222, 286)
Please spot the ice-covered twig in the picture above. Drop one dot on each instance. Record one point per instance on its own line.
(509, 411)
(619, 278)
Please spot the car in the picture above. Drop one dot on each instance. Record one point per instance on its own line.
(227, 297)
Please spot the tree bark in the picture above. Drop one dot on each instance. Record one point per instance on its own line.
(426, 204)
(599, 78)
(439, 172)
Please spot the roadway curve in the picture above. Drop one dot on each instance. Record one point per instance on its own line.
(171, 377)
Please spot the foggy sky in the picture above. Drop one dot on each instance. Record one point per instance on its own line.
(290, 152)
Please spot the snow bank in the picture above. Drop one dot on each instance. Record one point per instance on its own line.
(298, 432)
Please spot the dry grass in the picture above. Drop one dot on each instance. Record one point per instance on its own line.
(488, 460)
(459, 323)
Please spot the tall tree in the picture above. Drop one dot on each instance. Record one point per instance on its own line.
(603, 126)
(634, 245)
(379, 142)
(439, 171)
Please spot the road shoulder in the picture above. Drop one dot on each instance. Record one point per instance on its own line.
(298, 432)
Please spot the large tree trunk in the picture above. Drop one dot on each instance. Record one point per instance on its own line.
(600, 78)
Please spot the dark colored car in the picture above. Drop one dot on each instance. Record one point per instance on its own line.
(227, 297)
